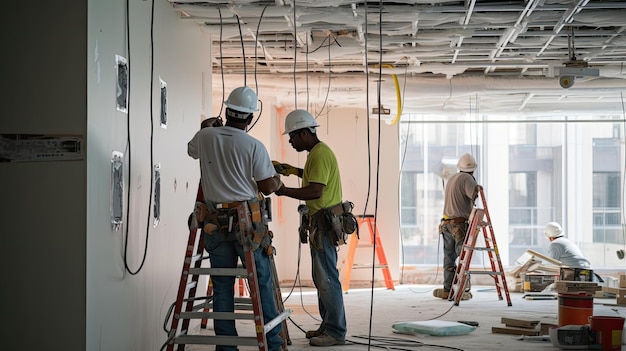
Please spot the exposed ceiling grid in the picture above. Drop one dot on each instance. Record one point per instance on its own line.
(477, 46)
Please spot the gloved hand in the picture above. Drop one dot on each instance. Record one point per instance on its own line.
(285, 169)
(192, 222)
(197, 215)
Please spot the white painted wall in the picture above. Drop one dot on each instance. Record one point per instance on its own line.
(126, 311)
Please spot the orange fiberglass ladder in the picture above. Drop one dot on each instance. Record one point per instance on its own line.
(461, 276)
(380, 254)
(188, 306)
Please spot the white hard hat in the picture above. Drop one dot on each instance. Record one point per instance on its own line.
(299, 119)
(242, 99)
(466, 163)
(553, 230)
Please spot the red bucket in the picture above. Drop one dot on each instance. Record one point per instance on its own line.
(608, 331)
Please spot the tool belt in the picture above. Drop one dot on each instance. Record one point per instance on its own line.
(337, 221)
(455, 220)
(245, 221)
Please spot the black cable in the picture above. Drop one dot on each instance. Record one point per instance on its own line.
(256, 84)
(295, 56)
(243, 50)
(128, 139)
(145, 250)
(329, 84)
(219, 10)
(378, 92)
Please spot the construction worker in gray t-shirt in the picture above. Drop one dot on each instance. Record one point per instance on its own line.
(460, 193)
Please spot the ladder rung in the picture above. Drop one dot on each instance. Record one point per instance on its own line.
(191, 285)
(479, 248)
(216, 340)
(370, 266)
(216, 315)
(237, 272)
(485, 272)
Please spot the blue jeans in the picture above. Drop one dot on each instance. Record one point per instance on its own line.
(223, 253)
(453, 238)
(326, 280)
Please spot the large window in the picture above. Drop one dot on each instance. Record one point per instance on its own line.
(571, 173)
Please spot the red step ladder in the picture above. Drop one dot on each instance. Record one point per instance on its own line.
(480, 221)
(374, 242)
(188, 306)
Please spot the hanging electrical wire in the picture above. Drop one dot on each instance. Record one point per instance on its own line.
(256, 84)
(295, 57)
(145, 250)
(219, 10)
(128, 138)
(256, 45)
(329, 84)
(243, 50)
(620, 253)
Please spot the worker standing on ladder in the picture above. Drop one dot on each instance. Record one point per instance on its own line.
(235, 167)
(321, 190)
(460, 194)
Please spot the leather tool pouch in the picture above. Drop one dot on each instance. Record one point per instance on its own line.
(222, 221)
(254, 230)
(342, 222)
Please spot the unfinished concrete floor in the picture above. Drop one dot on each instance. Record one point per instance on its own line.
(371, 314)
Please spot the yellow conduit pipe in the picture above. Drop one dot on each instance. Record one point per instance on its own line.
(398, 97)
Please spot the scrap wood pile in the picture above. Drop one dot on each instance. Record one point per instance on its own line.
(529, 263)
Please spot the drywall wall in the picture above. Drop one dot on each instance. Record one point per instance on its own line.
(133, 273)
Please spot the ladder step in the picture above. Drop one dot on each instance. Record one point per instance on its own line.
(216, 315)
(485, 272)
(479, 248)
(238, 272)
(369, 266)
(216, 340)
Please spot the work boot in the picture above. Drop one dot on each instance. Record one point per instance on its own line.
(313, 333)
(326, 340)
(468, 286)
(444, 294)
(441, 293)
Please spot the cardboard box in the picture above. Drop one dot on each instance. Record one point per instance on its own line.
(622, 280)
(576, 274)
(536, 282)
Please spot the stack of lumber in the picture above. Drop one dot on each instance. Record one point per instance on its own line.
(573, 287)
(619, 291)
(518, 327)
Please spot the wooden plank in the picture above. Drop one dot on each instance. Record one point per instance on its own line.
(544, 257)
(522, 323)
(515, 331)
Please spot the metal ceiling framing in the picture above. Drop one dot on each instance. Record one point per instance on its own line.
(471, 42)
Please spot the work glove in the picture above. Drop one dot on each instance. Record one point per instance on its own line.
(192, 221)
(197, 216)
(286, 169)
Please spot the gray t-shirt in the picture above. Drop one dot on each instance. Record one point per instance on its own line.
(568, 253)
(231, 162)
(461, 191)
